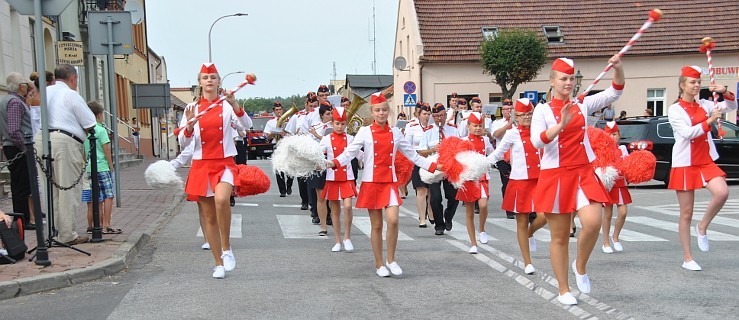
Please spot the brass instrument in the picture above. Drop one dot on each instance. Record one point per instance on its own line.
(282, 121)
(354, 121)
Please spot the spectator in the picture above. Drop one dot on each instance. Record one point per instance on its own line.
(104, 173)
(608, 113)
(35, 102)
(648, 112)
(135, 133)
(17, 132)
(69, 119)
(623, 115)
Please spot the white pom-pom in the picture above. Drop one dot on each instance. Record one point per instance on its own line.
(162, 174)
(607, 176)
(429, 177)
(298, 156)
(475, 165)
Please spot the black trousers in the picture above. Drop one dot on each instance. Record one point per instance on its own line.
(303, 189)
(504, 168)
(441, 216)
(284, 182)
(20, 185)
(241, 154)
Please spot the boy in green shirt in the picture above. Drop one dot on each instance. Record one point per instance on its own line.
(105, 175)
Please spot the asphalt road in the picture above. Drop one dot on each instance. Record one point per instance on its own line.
(285, 271)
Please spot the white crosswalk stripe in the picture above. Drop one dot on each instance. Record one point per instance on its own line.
(235, 226)
(542, 234)
(672, 226)
(731, 207)
(364, 225)
(300, 227)
(241, 204)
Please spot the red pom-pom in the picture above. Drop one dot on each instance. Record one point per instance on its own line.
(403, 169)
(251, 78)
(655, 14)
(603, 146)
(448, 149)
(638, 167)
(251, 181)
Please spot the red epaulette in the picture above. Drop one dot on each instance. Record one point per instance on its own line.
(414, 124)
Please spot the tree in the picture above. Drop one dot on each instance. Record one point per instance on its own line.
(513, 57)
(258, 105)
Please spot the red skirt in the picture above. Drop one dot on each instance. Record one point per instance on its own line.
(337, 190)
(619, 195)
(378, 195)
(693, 177)
(518, 196)
(566, 189)
(472, 191)
(207, 171)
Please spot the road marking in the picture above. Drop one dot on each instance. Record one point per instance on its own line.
(277, 205)
(731, 207)
(235, 226)
(298, 227)
(241, 204)
(671, 226)
(364, 225)
(542, 234)
(456, 232)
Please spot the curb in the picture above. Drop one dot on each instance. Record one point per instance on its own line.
(123, 258)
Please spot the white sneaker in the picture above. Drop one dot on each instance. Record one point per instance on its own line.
(617, 245)
(336, 248)
(567, 299)
(219, 272)
(529, 269)
(702, 240)
(532, 244)
(583, 282)
(383, 272)
(394, 268)
(484, 237)
(348, 246)
(607, 249)
(3, 252)
(473, 250)
(692, 266)
(229, 261)
(205, 246)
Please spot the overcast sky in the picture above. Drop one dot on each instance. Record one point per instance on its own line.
(289, 44)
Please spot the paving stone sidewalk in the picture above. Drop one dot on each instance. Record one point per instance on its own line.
(142, 211)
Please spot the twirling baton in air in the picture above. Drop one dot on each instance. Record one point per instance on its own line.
(708, 45)
(654, 16)
(250, 79)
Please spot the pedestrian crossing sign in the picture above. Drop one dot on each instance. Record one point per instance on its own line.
(409, 99)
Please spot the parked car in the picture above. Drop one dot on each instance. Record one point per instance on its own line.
(257, 145)
(655, 134)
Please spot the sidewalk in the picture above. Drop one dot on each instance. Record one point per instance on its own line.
(142, 211)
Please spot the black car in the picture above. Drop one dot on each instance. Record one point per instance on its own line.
(655, 134)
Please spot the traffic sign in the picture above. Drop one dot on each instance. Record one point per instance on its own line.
(531, 95)
(409, 87)
(409, 100)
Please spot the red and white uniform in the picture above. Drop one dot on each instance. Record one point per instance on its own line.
(340, 180)
(567, 181)
(694, 153)
(525, 168)
(619, 193)
(472, 191)
(380, 143)
(214, 148)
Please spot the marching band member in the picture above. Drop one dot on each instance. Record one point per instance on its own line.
(314, 121)
(498, 129)
(317, 181)
(476, 105)
(619, 196)
(476, 191)
(294, 126)
(284, 182)
(693, 157)
(379, 191)
(414, 135)
(567, 182)
(339, 185)
(211, 179)
(430, 145)
(524, 176)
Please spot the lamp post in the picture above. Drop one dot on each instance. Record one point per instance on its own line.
(223, 80)
(210, 55)
(578, 83)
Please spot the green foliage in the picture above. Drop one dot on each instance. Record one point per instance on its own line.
(513, 57)
(259, 105)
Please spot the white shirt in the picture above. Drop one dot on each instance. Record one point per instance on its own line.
(35, 119)
(462, 128)
(271, 128)
(414, 134)
(497, 124)
(431, 137)
(68, 111)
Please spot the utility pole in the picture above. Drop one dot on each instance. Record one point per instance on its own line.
(374, 40)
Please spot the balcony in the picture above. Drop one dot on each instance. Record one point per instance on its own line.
(98, 5)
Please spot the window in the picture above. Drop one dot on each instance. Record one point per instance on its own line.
(495, 98)
(553, 34)
(489, 32)
(656, 101)
(731, 130)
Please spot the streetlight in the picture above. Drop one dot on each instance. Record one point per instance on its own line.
(223, 80)
(578, 83)
(210, 55)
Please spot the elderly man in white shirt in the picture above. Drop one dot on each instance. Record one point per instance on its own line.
(69, 120)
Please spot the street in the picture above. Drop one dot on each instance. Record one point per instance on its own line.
(286, 271)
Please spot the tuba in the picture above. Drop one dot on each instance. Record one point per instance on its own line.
(355, 121)
(282, 121)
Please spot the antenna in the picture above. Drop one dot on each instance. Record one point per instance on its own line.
(374, 40)
(333, 75)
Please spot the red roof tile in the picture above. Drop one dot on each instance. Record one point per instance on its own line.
(451, 29)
